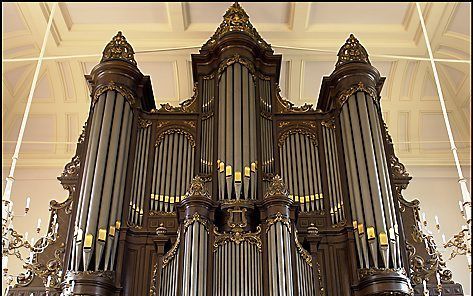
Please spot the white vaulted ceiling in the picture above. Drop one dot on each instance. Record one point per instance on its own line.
(409, 98)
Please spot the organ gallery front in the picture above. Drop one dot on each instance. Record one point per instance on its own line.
(236, 191)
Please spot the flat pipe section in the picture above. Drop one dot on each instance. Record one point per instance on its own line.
(84, 197)
(328, 162)
(338, 187)
(221, 133)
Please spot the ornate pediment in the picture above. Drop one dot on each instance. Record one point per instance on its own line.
(118, 48)
(236, 19)
(352, 51)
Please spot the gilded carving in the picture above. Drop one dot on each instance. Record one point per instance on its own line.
(72, 168)
(188, 106)
(236, 19)
(312, 135)
(237, 237)
(196, 218)
(278, 218)
(170, 131)
(143, 123)
(352, 51)
(303, 252)
(197, 188)
(329, 123)
(51, 269)
(152, 289)
(398, 169)
(276, 187)
(173, 251)
(345, 95)
(118, 48)
(123, 90)
(287, 106)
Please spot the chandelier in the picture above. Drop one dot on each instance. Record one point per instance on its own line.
(13, 243)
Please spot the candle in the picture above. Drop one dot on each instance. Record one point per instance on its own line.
(56, 227)
(166, 198)
(5, 263)
(28, 200)
(444, 241)
(111, 232)
(370, 232)
(49, 281)
(228, 170)
(437, 221)
(39, 224)
(222, 167)
(171, 199)
(296, 198)
(88, 240)
(117, 224)
(26, 236)
(253, 167)
(247, 172)
(355, 224)
(383, 239)
(423, 218)
(424, 283)
(102, 234)
(237, 176)
(361, 230)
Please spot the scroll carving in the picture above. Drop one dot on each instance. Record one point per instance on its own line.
(278, 218)
(173, 251)
(345, 95)
(188, 106)
(143, 123)
(238, 237)
(312, 136)
(172, 131)
(196, 218)
(287, 106)
(122, 89)
(303, 252)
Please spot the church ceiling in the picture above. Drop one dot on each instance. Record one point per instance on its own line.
(389, 31)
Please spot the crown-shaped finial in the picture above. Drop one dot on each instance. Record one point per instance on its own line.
(352, 51)
(276, 187)
(236, 19)
(118, 48)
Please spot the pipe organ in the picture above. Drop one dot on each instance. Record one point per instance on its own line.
(236, 191)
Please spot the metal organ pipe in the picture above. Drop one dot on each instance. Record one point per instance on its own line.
(97, 184)
(87, 178)
(173, 170)
(109, 175)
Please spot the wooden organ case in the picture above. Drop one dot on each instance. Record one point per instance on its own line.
(236, 191)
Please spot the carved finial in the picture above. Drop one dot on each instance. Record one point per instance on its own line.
(352, 51)
(197, 188)
(276, 187)
(236, 19)
(118, 48)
